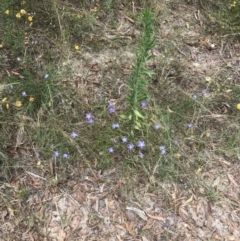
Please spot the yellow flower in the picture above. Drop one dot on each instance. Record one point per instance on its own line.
(198, 170)
(76, 47)
(18, 103)
(4, 99)
(79, 16)
(64, 63)
(7, 106)
(177, 155)
(31, 99)
(23, 12)
(238, 106)
(30, 18)
(18, 15)
(7, 12)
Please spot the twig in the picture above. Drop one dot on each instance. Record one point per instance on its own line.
(35, 175)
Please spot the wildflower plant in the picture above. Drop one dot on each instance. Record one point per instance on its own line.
(138, 80)
(87, 132)
(226, 13)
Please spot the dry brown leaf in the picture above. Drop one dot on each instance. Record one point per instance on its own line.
(119, 238)
(130, 228)
(230, 238)
(51, 167)
(41, 212)
(31, 236)
(148, 224)
(11, 211)
(159, 218)
(103, 195)
(232, 180)
(183, 214)
(3, 215)
(120, 227)
(216, 182)
(139, 212)
(49, 220)
(111, 203)
(188, 201)
(61, 235)
(80, 197)
(75, 222)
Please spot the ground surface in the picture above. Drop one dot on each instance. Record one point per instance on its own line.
(95, 205)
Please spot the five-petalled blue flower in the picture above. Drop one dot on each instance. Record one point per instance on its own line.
(65, 155)
(74, 135)
(115, 125)
(141, 144)
(56, 153)
(162, 149)
(130, 146)
(111, 150)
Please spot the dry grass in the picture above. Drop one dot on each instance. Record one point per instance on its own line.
(200, 133)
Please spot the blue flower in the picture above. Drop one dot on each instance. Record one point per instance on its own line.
(37, 155)
(46, 76)
(74, 135)
(111, 110)
(130, 146)
(175, 143)
(141, 144)
(194, 96)
(110, 104)
(204, 92)
(115, 125)
(157, 126)
(141, 155)
(111, 150)
(90, 121)
(11, 86)
(143, 104)
(162, 149)
(24, 93)
(190, 125)
(65, 155)
(89, 116)
(56, 153)
(111, 107)
(124, 139)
